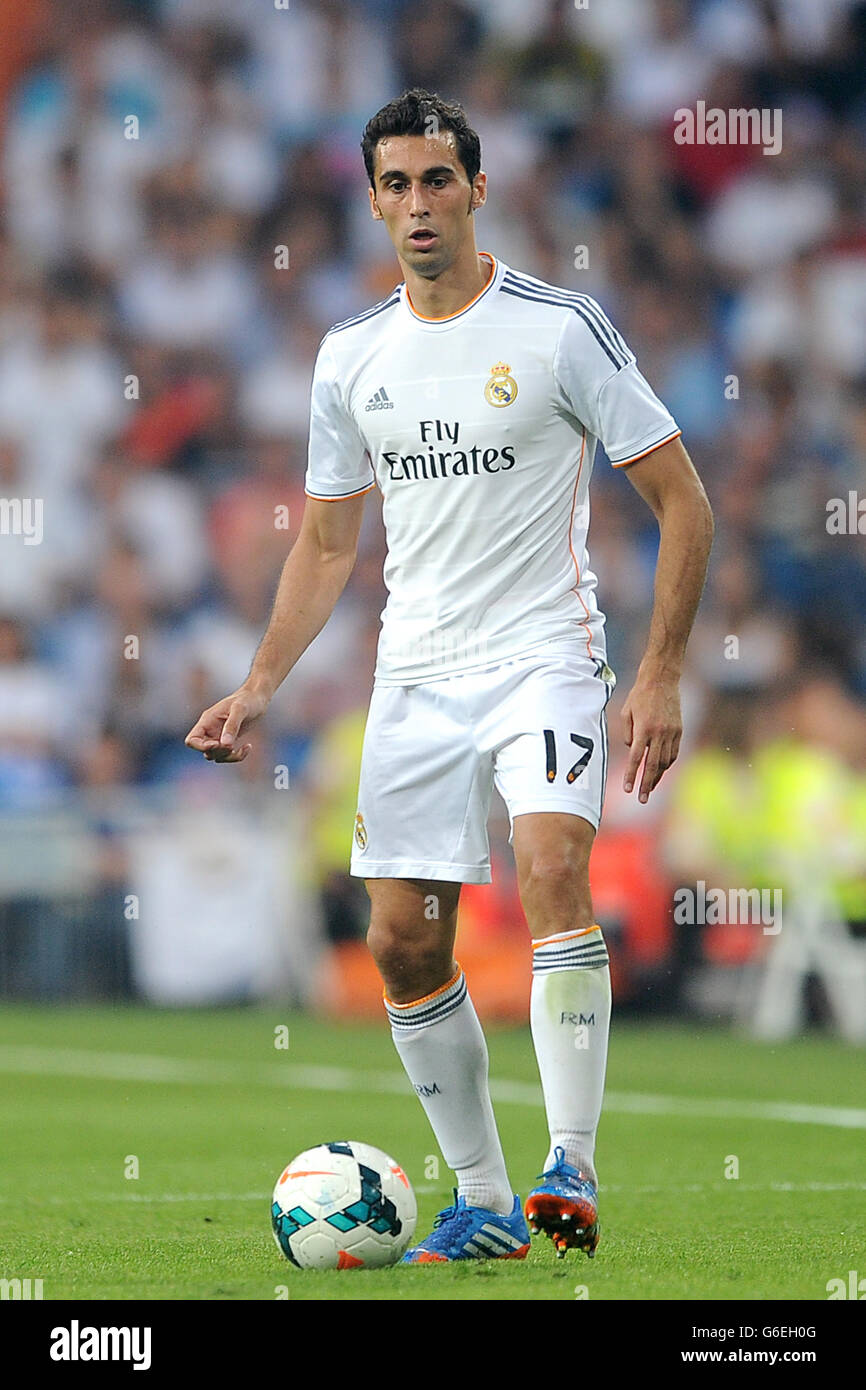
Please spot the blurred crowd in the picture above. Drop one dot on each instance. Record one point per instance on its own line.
(184, 216)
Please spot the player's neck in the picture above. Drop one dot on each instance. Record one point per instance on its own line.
(452, 290)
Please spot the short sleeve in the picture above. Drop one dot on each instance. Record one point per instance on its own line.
(338, 464)
(601, 386)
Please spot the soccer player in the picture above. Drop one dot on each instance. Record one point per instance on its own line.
(473, 397)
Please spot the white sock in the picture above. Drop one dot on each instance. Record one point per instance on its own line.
(570, 1018)
(443, 1049)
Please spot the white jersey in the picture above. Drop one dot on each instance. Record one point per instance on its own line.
(479, 429)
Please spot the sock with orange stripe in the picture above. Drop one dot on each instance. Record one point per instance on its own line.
(443, 1049)
(570, 1018)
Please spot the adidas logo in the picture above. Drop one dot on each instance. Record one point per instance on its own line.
(379, 401)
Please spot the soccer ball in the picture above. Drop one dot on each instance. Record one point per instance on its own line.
(343, 1205)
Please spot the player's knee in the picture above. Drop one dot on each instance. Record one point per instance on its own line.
(556, 894)
(417, 961)
(556, 873)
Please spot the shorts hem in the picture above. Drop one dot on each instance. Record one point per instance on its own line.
(525, 808)
(415, 868)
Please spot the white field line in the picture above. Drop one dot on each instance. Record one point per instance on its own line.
(133, 1066)
(212, 1198)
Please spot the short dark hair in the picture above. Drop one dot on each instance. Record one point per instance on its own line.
(410, 114)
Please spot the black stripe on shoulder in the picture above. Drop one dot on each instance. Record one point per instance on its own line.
(544, 299)
(367, 314)
(559, 291)
(571, 298)
(530, 282)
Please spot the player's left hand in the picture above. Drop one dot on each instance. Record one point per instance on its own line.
(653, 727)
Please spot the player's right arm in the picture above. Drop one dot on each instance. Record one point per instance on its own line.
(314, 575)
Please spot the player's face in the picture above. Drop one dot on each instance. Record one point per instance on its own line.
(425, 199)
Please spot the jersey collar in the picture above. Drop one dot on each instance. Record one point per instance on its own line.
(496, 271)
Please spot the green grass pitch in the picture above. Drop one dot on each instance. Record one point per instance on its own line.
(208, 1110)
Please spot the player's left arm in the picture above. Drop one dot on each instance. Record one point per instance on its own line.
(667, 481)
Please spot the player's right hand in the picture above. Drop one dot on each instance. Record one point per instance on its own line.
(218, 731)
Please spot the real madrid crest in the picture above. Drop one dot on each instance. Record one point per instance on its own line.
(360, 832)
(501, 389)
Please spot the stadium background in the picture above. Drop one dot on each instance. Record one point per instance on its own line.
(155, 362)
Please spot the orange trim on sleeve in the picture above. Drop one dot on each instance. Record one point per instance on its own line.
(344, 496)
(651, 450)
(427, 997)
(564, 936)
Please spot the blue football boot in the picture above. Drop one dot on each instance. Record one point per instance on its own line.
(565, 1207)
(472, 1233)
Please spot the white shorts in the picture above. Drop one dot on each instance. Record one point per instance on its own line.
(534, 726)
